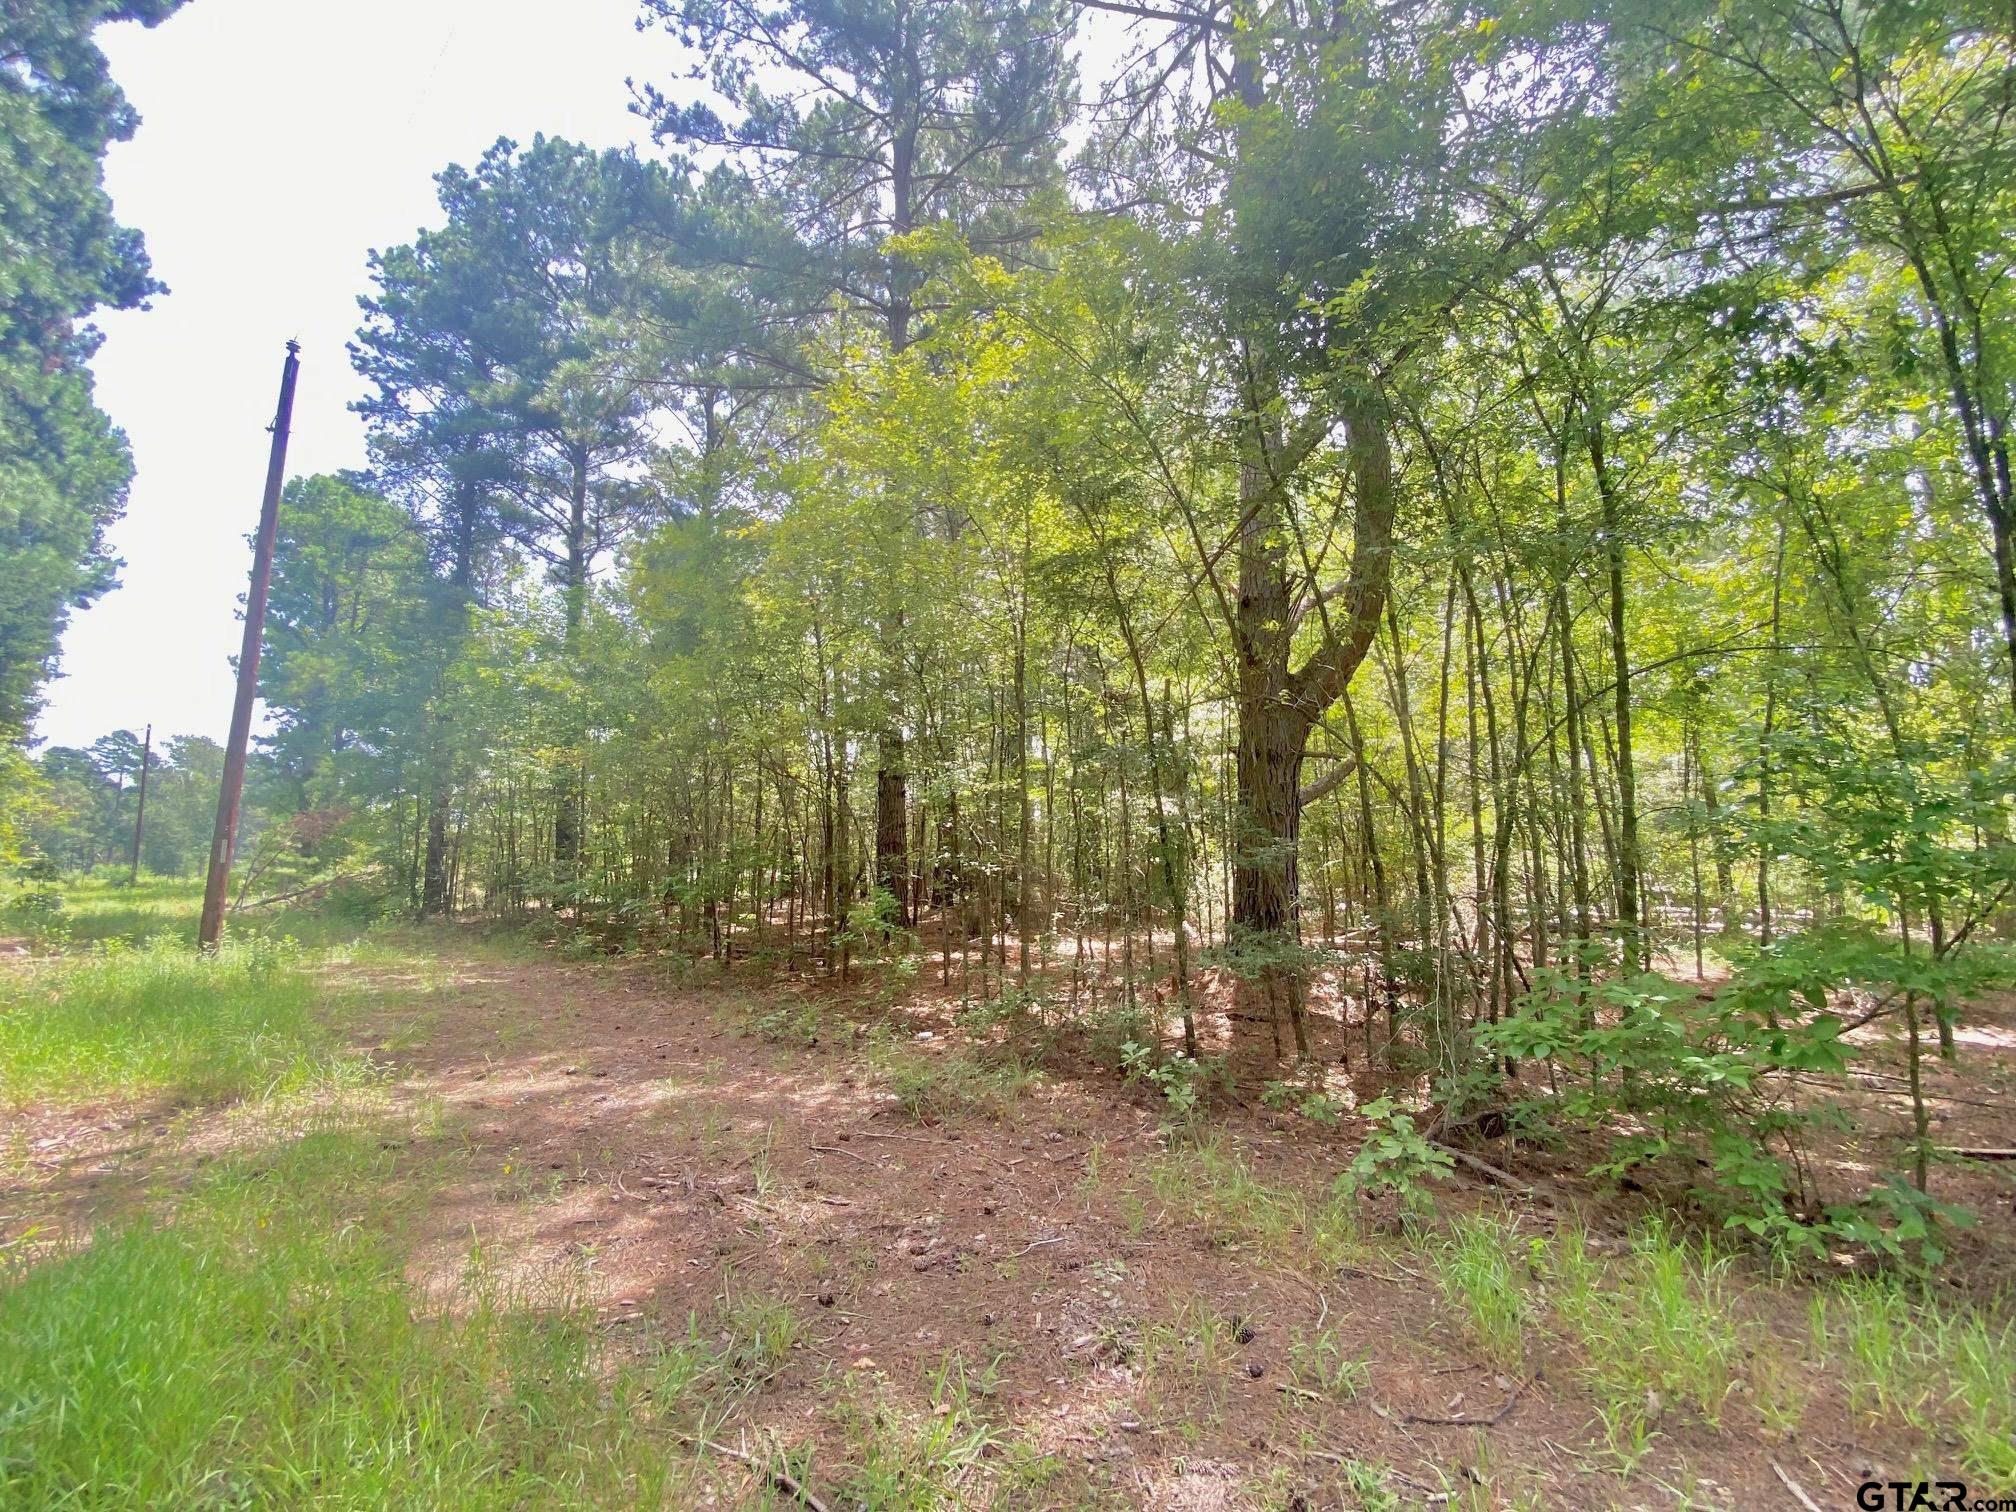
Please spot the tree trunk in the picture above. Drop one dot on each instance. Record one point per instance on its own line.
(434, 869)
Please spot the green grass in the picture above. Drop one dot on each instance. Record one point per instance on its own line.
(264, 1350)
(931, 1086)
(1215, 1189)
(103, 907)
(1481, 1270)
(254, 1342)
(1944, 1370)
(899, 1459)
(1321, 1364)
(1658, 1328)
(159, 1018)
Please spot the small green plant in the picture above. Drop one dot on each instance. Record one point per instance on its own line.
(1300, 1096)
(1369, 1487)
(910, 1462)
(934, 1084)
(874, 930)
(758, 1334)
(1179, 1079)
(1395, 1157)
(1322, 1364)
(788, 1023)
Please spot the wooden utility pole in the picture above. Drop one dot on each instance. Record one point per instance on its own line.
(140, 813)
(226, 835)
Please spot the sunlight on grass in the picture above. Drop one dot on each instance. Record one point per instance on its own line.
(264, 1350)
(159, 1018)
(1213, 1186)
(933, 1085)
(1481, 1270)
(107, 908)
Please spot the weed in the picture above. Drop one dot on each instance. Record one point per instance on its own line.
(934, 1085)
(1323, 1365)
(758, 1334)
(1481, 1273)
(264, 1350)
(1945, 1373)
(1395, 1157)
(1657, 1328)
(1368, 1485)
(910, 1462)
(1214, 1187)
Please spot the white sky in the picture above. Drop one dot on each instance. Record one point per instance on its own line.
(280, 141)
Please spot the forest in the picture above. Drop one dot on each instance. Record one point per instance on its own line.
(1398, 617)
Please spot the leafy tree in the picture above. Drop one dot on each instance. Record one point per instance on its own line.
(64, 469)
(896, 119)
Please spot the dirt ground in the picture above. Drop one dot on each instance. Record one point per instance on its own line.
(636, 1136)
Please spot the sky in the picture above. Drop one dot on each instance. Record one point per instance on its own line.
(280, 141)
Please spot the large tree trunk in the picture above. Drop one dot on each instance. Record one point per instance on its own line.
(892, 823)
(1278, 705)
(1267, 1019)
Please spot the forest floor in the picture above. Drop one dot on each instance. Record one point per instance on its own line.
(833, 1249)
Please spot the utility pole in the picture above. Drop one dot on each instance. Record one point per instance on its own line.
(140, 814)
(226, 835)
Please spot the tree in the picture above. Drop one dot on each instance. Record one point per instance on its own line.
(500, 403)
(1888, 126)
(898, 118)
(64, 469)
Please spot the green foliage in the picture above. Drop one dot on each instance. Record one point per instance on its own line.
(1701, 1080)
(64, 468)
(873, 928)
(1395, 1157)
(38, 913)
(1305, 1096)
(1180, 1080)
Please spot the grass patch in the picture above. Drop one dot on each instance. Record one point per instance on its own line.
(952, 1454)
(264, 1350)
(1658, 1328)
(160, 1018)
(1947, 1373)
(1481, 1270)
(1320, 1363)
(97, 908)
(1213, 1187)
(934, 1085)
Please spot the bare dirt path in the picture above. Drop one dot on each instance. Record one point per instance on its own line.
(1145, 1326)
